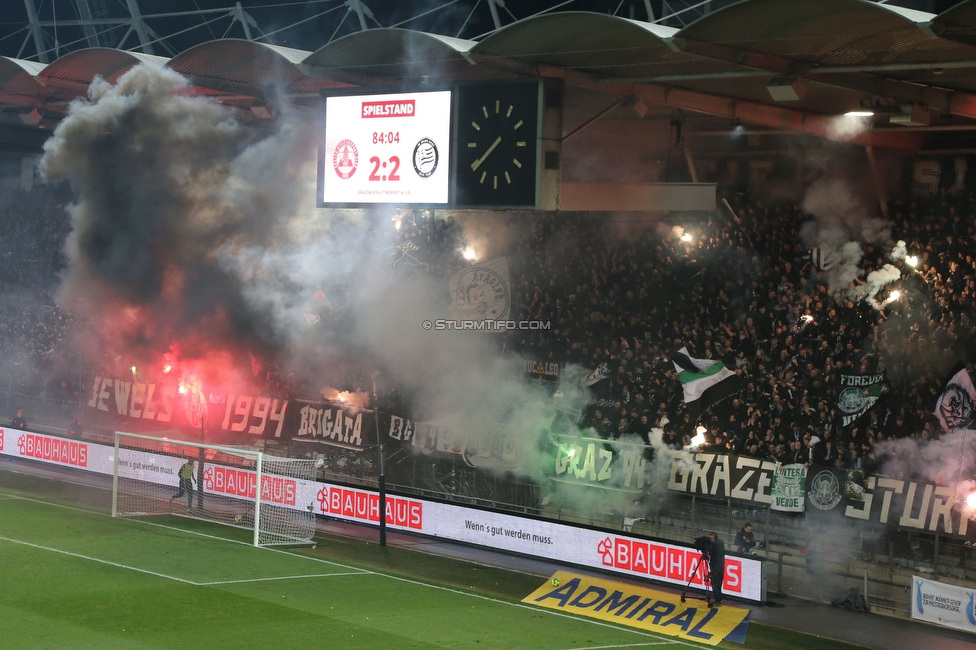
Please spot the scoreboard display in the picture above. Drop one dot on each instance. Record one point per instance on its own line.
(386, 148)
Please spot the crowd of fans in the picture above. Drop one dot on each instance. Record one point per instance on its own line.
(621, 299)
(32, 325)
(747, 292)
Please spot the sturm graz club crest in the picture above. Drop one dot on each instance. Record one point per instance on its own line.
(858, 394)
(824, 492)
(956, 407)
(401, 261)
(425, 158)
(481, 293)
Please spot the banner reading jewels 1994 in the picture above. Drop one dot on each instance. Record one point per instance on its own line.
(943, 604)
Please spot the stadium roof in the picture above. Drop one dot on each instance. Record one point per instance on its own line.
(835, 55)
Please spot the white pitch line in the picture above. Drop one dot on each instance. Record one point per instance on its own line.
(311, 575)
(623, 645)
(95, 559)
(407, 580)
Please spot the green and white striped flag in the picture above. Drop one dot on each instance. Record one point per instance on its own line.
(704, 381)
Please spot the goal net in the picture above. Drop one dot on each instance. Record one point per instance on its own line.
(156, 476)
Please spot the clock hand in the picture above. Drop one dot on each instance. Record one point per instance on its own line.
(476, 164)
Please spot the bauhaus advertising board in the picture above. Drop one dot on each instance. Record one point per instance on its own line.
(654, 560)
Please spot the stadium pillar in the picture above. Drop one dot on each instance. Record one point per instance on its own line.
(140, 26)
(382, 497)
(35, 29)
(494, 14)
(878, 182)
(201, 457)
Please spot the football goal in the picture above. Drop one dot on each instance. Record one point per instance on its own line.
(246, 489)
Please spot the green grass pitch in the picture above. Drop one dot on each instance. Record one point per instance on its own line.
(76, 578)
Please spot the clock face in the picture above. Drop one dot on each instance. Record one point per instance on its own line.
(497, 141)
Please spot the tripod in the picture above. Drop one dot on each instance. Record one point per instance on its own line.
(706, 575)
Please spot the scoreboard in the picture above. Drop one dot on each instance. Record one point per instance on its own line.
(386, 148)
(475, 145)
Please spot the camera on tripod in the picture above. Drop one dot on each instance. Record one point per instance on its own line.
(703, 544)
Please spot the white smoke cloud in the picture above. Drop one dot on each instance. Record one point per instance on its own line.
(899, 251)
(196, 227)
(843, 219)
(875, 281)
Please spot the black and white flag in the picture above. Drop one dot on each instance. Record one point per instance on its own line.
(955, 406)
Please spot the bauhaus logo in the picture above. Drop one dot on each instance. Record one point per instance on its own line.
(364, 506)
(55, 450)
(664, 562)
(241, 483)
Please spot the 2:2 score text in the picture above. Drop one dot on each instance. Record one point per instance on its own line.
(393, 164)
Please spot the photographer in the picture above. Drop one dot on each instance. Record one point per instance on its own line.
(745, 542)
(716, 565)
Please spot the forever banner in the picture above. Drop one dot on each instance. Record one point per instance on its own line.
(858, 393)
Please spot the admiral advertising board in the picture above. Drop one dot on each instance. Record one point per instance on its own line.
(385, 148)
(652, 560)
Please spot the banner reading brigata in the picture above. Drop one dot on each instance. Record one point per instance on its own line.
(944, 604)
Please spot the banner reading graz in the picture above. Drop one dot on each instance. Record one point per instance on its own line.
(597, 462)
(721, 475)
(158, 405)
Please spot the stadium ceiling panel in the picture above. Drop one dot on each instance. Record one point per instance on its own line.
(841, 53)
(79, 68)
(957, 23)
(825, 32)
(596, 43)
(18, 83)
(239, 63)
(393, 53)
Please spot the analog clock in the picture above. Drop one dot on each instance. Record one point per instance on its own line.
(497, 144)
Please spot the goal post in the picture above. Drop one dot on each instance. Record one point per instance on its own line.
(243, 488)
